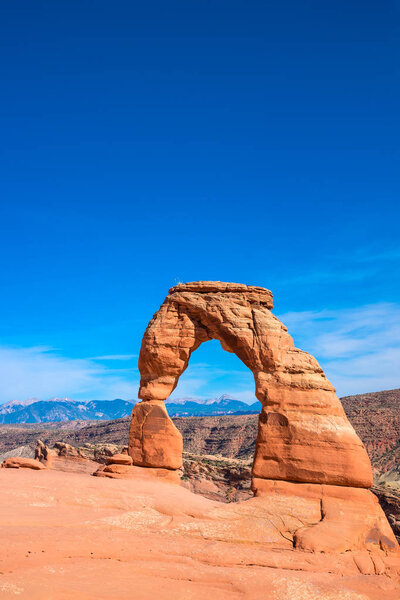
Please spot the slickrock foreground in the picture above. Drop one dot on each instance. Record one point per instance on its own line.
(69, 535)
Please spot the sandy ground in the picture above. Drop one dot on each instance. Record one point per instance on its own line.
(70, 536)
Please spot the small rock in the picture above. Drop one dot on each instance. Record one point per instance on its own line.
(119, 459)
(18, 462)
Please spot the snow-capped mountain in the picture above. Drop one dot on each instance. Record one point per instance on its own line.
(223, 405)
(14, 405)
(65, 409)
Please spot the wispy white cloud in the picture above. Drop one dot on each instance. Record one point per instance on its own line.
(115, 357)
(374, 254)
(328, 275)
(359, 348)
(43, 373)
(365, 263)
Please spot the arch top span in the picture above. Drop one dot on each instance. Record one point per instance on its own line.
(303, 433)
(237, 315)
(253, 292)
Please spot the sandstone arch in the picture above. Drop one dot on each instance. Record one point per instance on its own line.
(303, 434)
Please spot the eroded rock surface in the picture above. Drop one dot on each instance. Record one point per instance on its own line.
(303, 432)
(120, 466)
(154, 441)
(117, 466)
(349, 518)
(70, 535)
(63, 457)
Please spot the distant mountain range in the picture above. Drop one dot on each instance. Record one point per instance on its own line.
(62, 409)
(65, 409)
(224, 405)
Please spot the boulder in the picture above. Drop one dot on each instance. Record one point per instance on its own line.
(19, 462)
(154, 441)
(67, 451)
(41, 451)
(114, 471)
(99, 452)
(119, 459)
(67, 458)
(118, 471)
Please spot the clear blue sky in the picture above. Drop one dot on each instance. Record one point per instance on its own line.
(149, 142)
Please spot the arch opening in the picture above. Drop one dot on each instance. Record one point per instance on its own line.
(218, 448)
(211, 373)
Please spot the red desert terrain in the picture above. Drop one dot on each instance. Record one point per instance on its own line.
(71, 536)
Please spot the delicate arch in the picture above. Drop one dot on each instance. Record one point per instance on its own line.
(303, 432)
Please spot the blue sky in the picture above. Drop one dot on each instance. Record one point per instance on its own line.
(145, 143)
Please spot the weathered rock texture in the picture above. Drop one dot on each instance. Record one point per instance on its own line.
(303, 432)
(154, 441)
(120, 466)
(63, 457)
(71, 536)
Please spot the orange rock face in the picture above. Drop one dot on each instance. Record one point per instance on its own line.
(348, 518)
(117, 466)
(154, 441)
(303, 432)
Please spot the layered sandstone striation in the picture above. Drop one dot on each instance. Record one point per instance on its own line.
(303, 432)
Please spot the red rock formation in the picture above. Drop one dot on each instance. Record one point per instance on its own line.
(63, 457)
(154, 441)
(18, 462)
(119, 459)
(119, 466)
(350, 518)
(303, 432)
